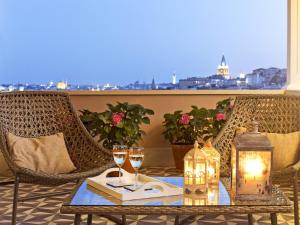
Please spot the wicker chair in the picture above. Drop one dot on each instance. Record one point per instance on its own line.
(34, 114)
(275, 114)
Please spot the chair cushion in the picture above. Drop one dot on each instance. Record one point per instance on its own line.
(46, 154)
(286, 149)
(4, 169)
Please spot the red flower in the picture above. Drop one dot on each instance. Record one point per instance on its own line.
(220, 116)
(184, 119)
(116, 119)
(121, 114)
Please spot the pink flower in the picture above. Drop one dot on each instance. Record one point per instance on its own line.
(184, 119)
(220, 116)
(121, 114)
(116, 119)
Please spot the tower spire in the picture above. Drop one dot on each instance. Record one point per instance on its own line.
(223, 68)
(174, 78)
(153, 86)
(223, 61)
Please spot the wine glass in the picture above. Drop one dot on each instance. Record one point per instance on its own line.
(120, 154)
(136, 157)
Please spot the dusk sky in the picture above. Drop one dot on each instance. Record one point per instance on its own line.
(121, 41)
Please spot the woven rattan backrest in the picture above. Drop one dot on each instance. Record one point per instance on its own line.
(34, 114)
(275, 114)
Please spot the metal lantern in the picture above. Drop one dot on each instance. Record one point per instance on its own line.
(251, 161)
(213, 167)
(195, 171)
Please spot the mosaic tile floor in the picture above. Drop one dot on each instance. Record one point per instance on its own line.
(46, 211)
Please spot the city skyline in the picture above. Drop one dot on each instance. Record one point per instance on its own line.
(259, 78)
(173, 78)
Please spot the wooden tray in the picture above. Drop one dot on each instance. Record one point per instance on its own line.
(157, 188)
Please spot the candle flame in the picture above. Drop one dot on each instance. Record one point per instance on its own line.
(254, 167)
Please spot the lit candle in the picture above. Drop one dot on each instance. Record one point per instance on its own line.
(254, 168)
(211, 172)
(198, 173)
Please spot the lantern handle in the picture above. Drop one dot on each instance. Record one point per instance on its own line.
(196, 145)
(254, 127)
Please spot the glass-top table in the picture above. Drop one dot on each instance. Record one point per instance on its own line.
(87, 200)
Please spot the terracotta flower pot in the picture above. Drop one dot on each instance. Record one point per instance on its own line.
(179, 152)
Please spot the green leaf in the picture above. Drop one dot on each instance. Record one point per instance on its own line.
(103, 118)
(107, 129)
(149, 112)
(120, 125)
(146, 120)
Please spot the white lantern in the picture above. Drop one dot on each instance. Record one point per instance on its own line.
(213, 166)
(195, 171)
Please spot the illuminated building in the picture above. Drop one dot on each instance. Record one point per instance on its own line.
(223, 68)
(61, 85)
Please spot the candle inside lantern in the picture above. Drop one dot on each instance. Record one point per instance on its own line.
(211, 172)
(188, 178)
(213, 167)
(254, 172)
(200, 173)
(254, 168)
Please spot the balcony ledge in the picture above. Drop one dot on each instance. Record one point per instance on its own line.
(175, 92)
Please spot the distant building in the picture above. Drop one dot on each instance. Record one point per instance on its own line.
(254, 80)
(215, 81)
(153, 86)
(11, 88)
(242, 76)
(266, 78)
(166, 86)
(223, 69)
(174, 78)
(106, 87)
(61, 85)
(192, 82)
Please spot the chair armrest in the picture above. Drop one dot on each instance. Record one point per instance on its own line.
(28, 175)
(296, 166)
(291, 169)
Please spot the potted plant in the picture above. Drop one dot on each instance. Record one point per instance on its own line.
(120, 124)
(182, 129)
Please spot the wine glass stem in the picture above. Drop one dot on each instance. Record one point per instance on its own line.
(119, 174)
(135, 182)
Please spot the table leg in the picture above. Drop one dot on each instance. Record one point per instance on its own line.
(176, 220)
(273, 218)
(123, 219)
(90, 219)
(250, 219)
(179, 221)
(77, 219)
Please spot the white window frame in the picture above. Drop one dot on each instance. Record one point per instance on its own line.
(293, 49)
